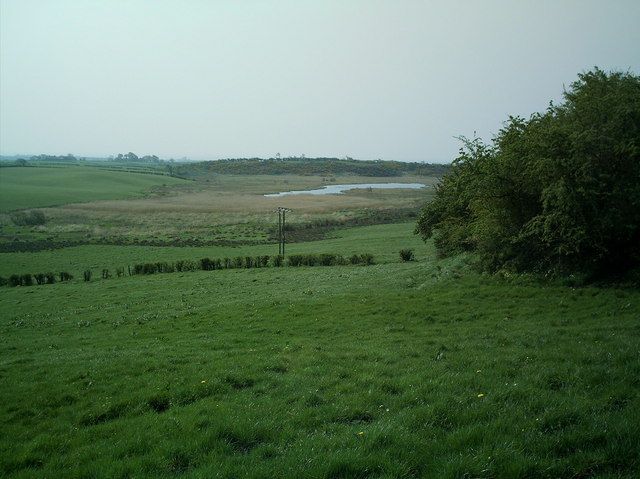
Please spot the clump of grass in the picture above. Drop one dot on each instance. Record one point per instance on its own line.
(407, 255)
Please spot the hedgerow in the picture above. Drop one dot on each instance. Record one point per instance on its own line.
(204, 264)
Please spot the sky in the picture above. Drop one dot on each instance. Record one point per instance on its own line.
(390, 79)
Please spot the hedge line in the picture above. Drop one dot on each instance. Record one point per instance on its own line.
(29, 279)
(204, 264)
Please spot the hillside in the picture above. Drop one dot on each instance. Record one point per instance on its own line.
(420, 369)
(33, 187)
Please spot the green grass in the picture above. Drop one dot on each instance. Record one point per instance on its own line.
(223, 209)
(419, 369)
(37, 187)
(383, 241)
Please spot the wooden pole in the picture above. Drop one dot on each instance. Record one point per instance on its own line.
(283, 230)
(279, 231)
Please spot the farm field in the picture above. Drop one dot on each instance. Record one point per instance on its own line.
(27, 187)
(419, 369)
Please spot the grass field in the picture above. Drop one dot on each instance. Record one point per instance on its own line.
(37, 187)
(419, 369)
(383, 241)
(396, 370)
(220, 209)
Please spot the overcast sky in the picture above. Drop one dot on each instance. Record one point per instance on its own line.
(396, 79)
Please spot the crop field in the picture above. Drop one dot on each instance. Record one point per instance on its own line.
(398, 369)
(37, 187)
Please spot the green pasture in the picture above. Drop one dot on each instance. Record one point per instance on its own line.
(31, 187)
(383, 241)
(419, 369)
(396, 370)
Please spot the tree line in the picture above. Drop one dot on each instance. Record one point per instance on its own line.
(309, 166)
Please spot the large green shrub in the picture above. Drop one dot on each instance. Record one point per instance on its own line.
(559, 192)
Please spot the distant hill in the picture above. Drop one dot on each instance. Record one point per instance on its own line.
(309, 166)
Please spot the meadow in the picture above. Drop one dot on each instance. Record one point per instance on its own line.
(219, 210)
(31, 187)
(394, 370)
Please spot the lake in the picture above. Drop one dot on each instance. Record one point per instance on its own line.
(339, 189)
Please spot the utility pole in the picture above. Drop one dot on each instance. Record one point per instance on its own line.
(282, 218)
(279, 232)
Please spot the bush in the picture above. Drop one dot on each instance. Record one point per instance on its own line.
(558, 193)
(14, 280)
(238, 262)
(278, 261)
(87, 275)
(26, 280)
(186, 265)
(324, 259)
(106, 274)
(150, 268)
(164, 267)
(294, 260)
(119, 272)
(329, 259)
(366, 259)
(207, 265)
(406, 255)
(50, 277)
(31, 218)
(64, 276)
(40, 278)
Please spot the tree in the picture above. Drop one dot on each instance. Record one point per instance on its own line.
(557, 192)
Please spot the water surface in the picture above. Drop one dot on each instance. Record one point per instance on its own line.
(339, 189)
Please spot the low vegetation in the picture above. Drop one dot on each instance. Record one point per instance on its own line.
(407, 254)
(28, 218)
(204, 264)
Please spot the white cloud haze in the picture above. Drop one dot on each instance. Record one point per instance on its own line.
(368, 79)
